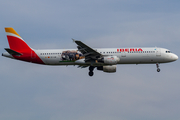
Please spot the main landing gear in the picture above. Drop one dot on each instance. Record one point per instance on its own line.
(91, 73)
(158, 69)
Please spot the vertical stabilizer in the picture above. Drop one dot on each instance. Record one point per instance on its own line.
(19, 49)
(16, 43)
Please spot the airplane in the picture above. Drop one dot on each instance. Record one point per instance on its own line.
(104, 59)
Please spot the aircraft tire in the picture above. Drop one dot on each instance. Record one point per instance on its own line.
(91, 73)
(158, 70)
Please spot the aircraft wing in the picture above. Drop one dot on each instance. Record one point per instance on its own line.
(88, 52)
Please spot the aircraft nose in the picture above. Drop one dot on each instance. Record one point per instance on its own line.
(175, 57)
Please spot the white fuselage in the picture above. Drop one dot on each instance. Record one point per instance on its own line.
(147, 56)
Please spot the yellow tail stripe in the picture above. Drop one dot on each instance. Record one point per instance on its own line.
(11, 30)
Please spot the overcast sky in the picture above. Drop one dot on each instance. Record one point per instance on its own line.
(135, 92)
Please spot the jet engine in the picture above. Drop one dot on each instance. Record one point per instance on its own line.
(109, 69)
(111, 60)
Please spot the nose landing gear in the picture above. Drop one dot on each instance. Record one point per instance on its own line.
(158, 69)
(91, 73)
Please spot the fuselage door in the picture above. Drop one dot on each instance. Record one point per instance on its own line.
(123, 54)
(158, 52)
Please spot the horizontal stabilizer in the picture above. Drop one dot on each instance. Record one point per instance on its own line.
(12, 52)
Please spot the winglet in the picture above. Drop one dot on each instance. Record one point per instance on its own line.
(73, 40)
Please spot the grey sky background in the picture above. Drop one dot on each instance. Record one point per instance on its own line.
(134, 92)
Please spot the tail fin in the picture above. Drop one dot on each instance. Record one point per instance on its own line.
(19, 49)
(16, 43)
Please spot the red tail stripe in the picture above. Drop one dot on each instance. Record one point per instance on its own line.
(17, 44)
(20, 46)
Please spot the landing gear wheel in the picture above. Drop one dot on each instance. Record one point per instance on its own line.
(157, 65)
(91, 68)
(158, 70)
(91, 73)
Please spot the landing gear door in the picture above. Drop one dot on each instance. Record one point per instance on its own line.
(158, 52)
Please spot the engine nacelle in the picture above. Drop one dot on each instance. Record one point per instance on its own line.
(110, 60)
(109, 69)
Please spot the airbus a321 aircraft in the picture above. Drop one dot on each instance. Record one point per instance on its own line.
(104, 59)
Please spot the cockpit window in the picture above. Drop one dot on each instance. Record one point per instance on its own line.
(168, 51)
